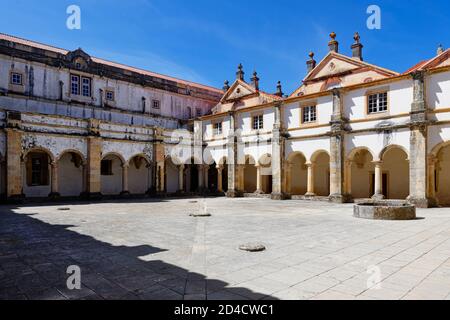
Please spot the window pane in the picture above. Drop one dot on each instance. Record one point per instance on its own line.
(86, 87)
(75, 83)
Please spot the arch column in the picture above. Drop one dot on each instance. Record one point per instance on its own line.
(181, 178)
(348, 177)
(219, 178)
(54, 180)
(288, 181)
(205, 177)
(310, 181)
(200, 177)
(125, 188)
(149, 167)
(431, 191)
(378, 187)
(84, 178)
(259, 187)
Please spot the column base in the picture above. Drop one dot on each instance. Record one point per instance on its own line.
(16, 199)
(340, 198)
(258, 192)
(310, 194)
(378, 197)
(91, 195)
(54, 195)
(125, 194)
(278, 196)
(233, 194)
(423, 202)
(151, 191)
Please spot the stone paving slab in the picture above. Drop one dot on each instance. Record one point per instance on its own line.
(153, 250)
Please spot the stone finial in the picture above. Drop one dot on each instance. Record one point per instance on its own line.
(333, 44)
(311, 63)
(357, 47)
(240, 73)
(226, 86)
(255, 80)
(440, 49)
(279, 89)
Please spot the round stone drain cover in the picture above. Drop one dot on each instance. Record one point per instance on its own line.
(63, 209)
(193, 201)
(200, 214)
(252, 247)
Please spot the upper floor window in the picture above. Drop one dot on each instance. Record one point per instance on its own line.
(189, 112)
(80, 85)
(156, 104)
(86, 86)
(309, 114)
(377, 102)
(109, 95)
(258, 122)
(199, 112)
(16, 78)
(217, 128)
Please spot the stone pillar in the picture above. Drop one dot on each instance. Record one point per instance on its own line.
(234, 189)
(418, 144)
(150, 175)
(181, 178)
(337, 152)
(219, 178)
(240, 176)
(259, 187)
(200, 177)
(54, 180)
(84, 178)
(14, 175)
(160, 177)
(277, 155)
(378, 181)
(288, 179)
(310, 180)
(206, 177)
(125, 189)
(159, 157)
(348, 178)
(431, 193)
(93, 167)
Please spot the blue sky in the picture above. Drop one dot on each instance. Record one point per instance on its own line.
(204, 40)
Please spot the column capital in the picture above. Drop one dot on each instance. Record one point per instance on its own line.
(377, 162)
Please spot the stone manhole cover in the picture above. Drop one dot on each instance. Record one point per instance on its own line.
(63, 209)
(252, 247)
(200, 214)
(193, 201)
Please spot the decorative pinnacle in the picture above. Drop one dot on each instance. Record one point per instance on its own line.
(311, 55)
(356, 37)
(333, 36)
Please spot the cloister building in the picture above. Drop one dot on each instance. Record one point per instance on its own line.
(74, 125)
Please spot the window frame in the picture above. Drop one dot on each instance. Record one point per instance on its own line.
(11, 77)
(157, 103)
(377, 93)
(83, 86)
(78, 82)
(217, 131)
(112, 93)
(308, 109)
(260, 122)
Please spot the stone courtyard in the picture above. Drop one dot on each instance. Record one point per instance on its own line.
(153, 249)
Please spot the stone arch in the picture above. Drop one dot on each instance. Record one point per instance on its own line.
(390, 147)
(264, 170)
(112, 173)
(440, 173)
(139, 174)
(172, 175)
(37, 173)
(360, 171)
(320, 160)
(71, 173)
(297, 174)
(249, 174)
(395, 166)
(223, 167)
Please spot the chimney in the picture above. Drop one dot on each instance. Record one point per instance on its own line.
(357, 48)
(255, 81)
(226, 86)
(240, 73)
(279, 90)
(333, 44)
(311, 63)
(440, 49)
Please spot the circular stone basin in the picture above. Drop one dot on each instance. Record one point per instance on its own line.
(252, 247)
(200, 214)
(385, 210)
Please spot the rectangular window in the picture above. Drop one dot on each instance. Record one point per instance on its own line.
(86, 86)
(199, 112)
(156, 104)
(217, 128)
(258, 122)
(309, 114)
(74, 84)
(109, 95)
(106, 168)
(16, 78)
(377, 102)
(38, 166)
